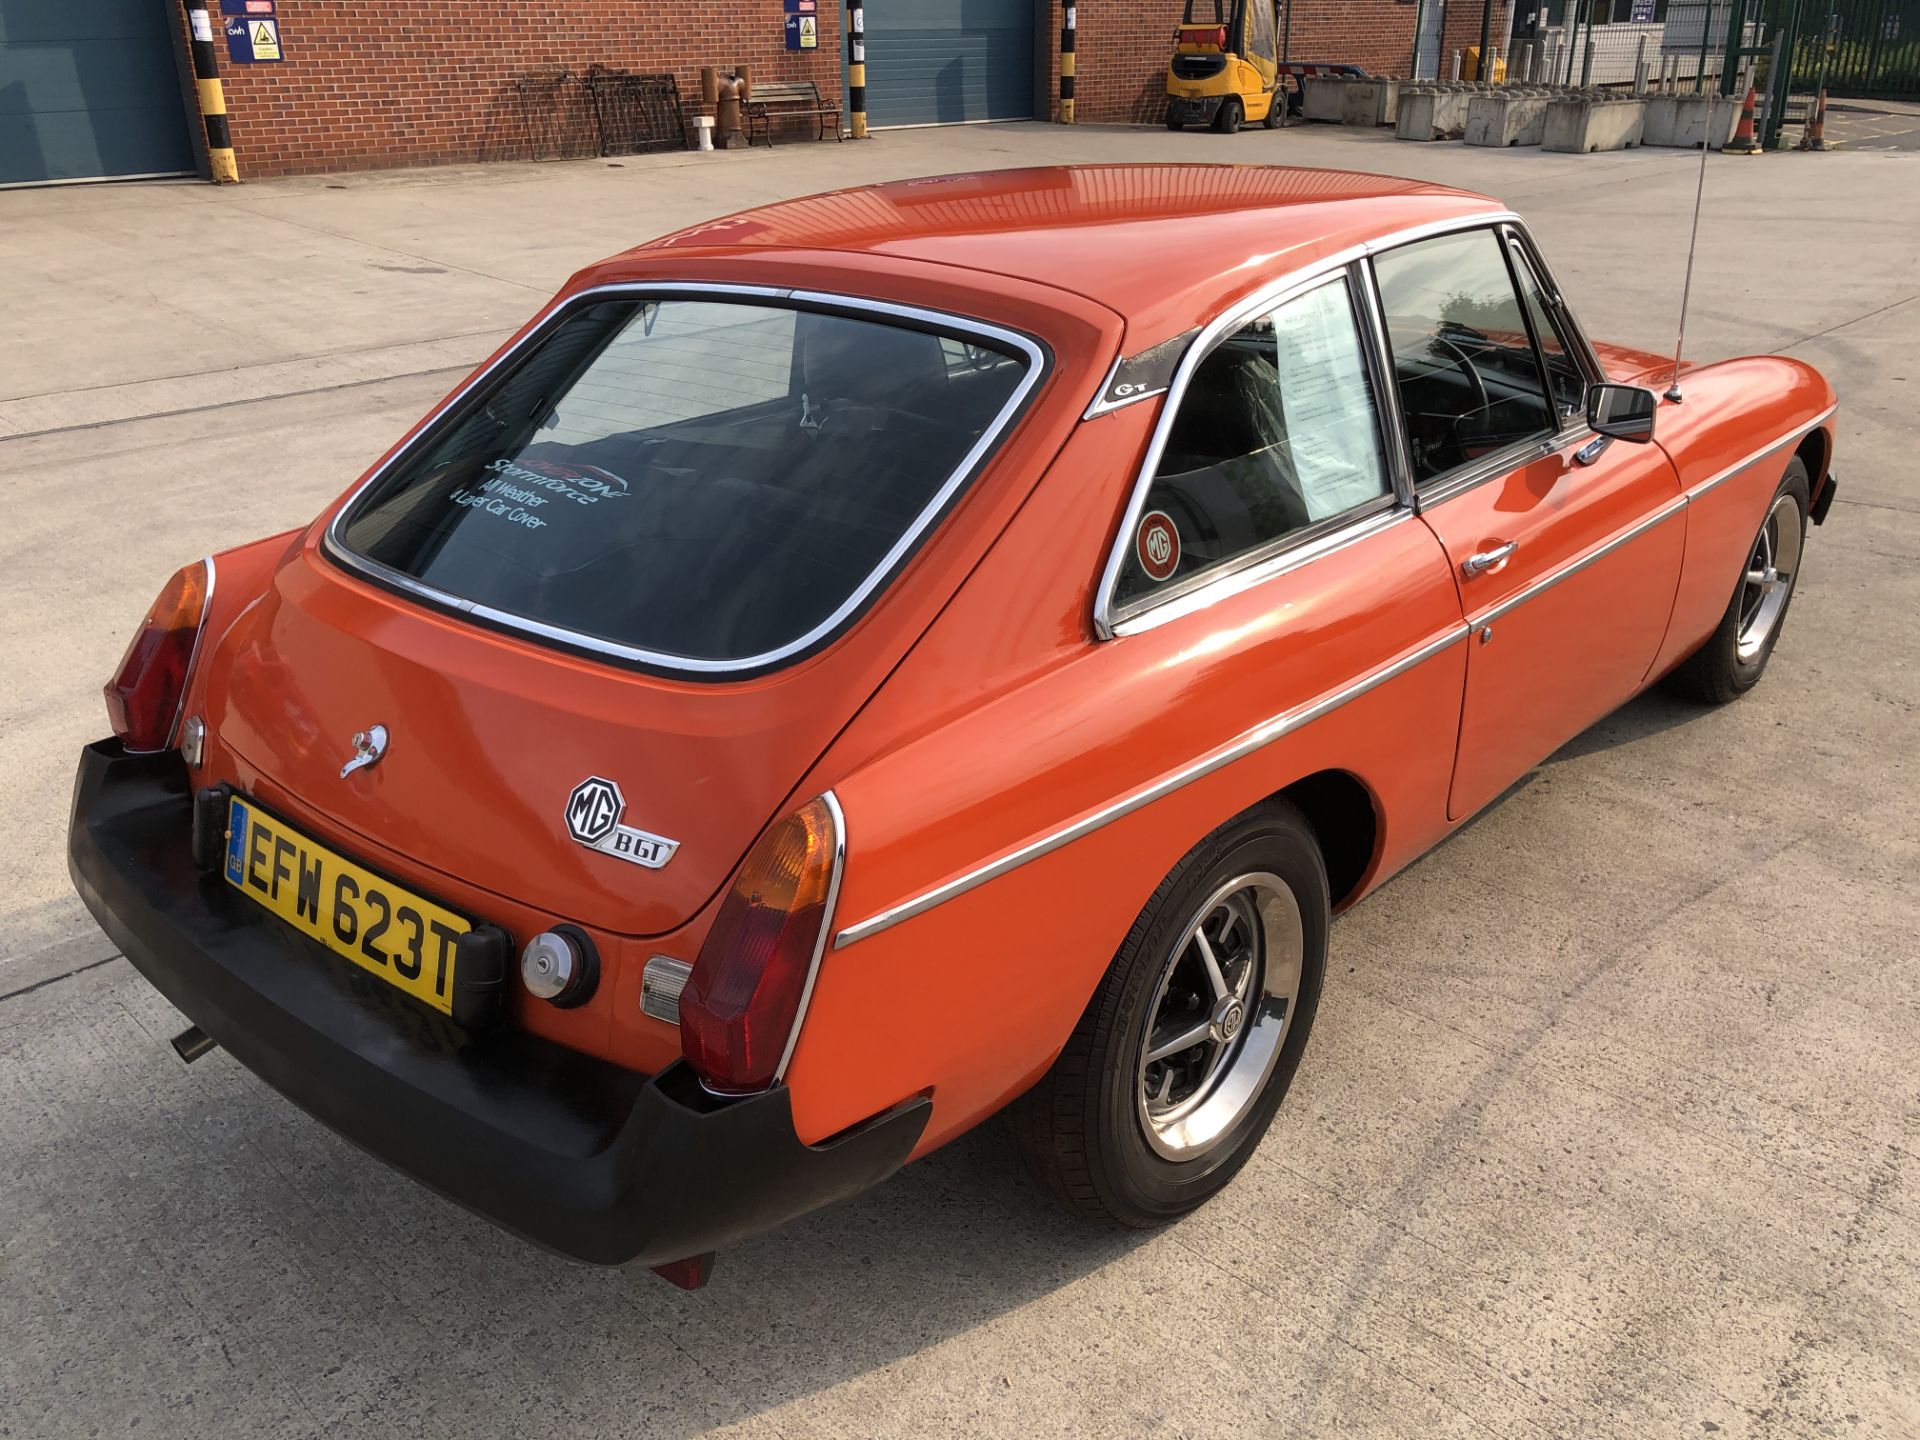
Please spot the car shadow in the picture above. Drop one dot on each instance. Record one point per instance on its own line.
(952, 1242)
(1650, 714)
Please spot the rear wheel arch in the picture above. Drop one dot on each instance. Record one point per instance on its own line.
(1345, 817)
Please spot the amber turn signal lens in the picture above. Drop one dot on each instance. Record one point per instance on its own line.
(740, 1004)
(143, 698)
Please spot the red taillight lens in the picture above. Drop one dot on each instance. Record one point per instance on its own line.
(738, 1009)
(143, 698)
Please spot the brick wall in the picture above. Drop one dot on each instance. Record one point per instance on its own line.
(1120, 60)
(374, 84)
(369, 85)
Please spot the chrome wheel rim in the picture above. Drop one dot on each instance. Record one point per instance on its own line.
(1220, 1014)
(1769, 578)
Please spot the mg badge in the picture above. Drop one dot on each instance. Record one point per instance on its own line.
(593, 818)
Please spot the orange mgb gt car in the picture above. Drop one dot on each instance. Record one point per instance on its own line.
(865, 663)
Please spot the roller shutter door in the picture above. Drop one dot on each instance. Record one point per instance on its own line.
(935, 62)
(90, 88)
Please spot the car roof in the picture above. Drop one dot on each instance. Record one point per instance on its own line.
(1167, 247)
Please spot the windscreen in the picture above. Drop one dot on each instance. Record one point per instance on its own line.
(707, 480)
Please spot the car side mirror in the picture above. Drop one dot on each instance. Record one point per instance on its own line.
(1623, 412)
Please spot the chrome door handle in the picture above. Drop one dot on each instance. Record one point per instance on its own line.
(1487, 559)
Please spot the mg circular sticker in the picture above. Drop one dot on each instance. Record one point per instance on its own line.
(1157, 543)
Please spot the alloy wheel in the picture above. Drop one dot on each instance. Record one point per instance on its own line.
(1219, 1015)
(1769, 579)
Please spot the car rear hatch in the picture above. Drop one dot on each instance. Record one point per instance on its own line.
(625, 555)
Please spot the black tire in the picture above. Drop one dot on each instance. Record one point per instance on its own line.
(1082, 1130)
(1173, 124)
(1276, 111)
(1718, 671)
(1232, 112)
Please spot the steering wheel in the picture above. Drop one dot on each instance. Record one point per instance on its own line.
(1464, 364)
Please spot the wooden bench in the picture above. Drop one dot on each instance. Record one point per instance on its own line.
(789, 100)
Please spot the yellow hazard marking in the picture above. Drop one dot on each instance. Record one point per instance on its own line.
(266, 39)
(809, 32)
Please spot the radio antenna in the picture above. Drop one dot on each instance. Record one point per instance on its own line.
(1686, 289)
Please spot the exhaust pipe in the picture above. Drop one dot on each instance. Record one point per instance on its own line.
(193, 1042)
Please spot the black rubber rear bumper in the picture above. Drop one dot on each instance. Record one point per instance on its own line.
(575, 1154)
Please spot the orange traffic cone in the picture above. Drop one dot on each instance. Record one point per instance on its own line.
(1743, 142)
(1814, 136)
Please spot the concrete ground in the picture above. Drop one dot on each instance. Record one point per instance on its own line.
(1608, 1126)
(1874, 124)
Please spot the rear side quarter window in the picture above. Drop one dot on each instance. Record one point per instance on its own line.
(1276, 438)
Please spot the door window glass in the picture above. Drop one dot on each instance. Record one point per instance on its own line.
(1568, 381)
(1469, 381)
(1276, 434)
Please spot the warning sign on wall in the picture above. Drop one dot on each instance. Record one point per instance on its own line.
(253, 40)
(803, 32)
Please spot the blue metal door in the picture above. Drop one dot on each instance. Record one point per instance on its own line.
(935, 62)
(90, 89)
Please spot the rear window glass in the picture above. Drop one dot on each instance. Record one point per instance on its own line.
(697, 480)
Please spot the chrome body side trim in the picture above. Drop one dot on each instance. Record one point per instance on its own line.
(1580, 562)
(1252, 740)
(1289, 721)
(826, 929)
(1037, 368)
(1267, 297)
(1798, 433)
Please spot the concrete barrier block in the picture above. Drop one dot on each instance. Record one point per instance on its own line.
(1580, 126)
(1323, 97)
(1369, 102)
(1682, 120)
(1502, 120)
(1431, 115)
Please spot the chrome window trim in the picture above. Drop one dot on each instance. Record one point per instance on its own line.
(1387, 387)
(1263, 565)
(1249, 741)
(826, 929)
(1038, 366)
(1500, 462)
(1276, 292)
(1557, 306)
(1507, 230)
(1120, 613)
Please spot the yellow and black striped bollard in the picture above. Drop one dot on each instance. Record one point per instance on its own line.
(1067, 26)
(857, 70)
(213, 100)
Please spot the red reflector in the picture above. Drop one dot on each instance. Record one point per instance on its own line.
(143, 698)
(743, 999)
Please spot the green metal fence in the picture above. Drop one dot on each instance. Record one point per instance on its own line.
(1875, 45)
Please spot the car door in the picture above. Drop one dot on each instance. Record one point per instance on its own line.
(1565, 546)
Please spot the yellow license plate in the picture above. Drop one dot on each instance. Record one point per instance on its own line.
(404, 939)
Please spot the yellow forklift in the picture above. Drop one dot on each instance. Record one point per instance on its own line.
(1228, 71)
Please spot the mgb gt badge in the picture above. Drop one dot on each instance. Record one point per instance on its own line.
(593, 818)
